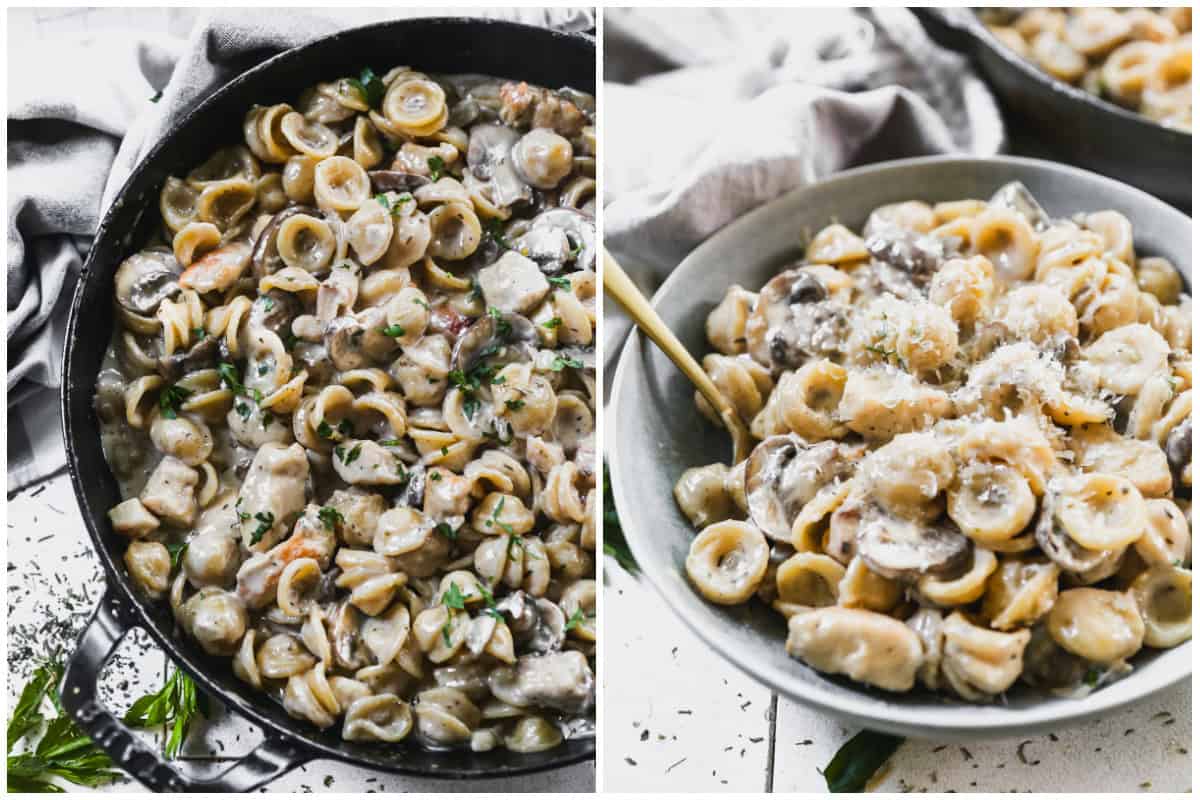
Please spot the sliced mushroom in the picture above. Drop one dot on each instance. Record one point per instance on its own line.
(1060, 547)
(906, 549)
(201, 355)
(917, 255)
(558, 237)
(346, 632)
(502, 338)
(275, 311)
(343, 343)
(388, 180)
(1179, 452)
(489, 158)
(264, 257)
(783, 474)
(145, 279)
(794, 320)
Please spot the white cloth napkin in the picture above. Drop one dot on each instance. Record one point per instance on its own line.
(75, 134)
(709, 113)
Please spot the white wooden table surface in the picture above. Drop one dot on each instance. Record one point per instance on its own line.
(679, 718)
(54, 580)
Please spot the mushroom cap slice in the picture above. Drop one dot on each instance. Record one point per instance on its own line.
(503, 336)
(145, 279)
(489, 157)
(899, 548)
(783, 474)
(558, 236)
(794, 320)
(389, 180)
(1061, 548)
(264, 257)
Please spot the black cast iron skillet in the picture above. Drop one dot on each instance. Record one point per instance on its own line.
(1074, 126)
(501, 49)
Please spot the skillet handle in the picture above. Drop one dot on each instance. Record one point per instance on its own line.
(111, 622)
(952, 28)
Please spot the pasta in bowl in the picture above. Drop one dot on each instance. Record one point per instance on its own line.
(973, 422)
(929, 444)
(350, 406)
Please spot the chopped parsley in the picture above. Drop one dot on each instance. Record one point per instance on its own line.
(575, 251)
(369, 87)
(330, 517)
(561, 362)
(419, 301)
(266, 520)
(171, 398)
(490, 599)
(552, 323)
(199, 333)
(392, 331)
(263, 369)
(268, 304)
(176, 550)
(243, 409)
(229, 377)
(435, 476)
(436, 167)
(289, 339)
(503, 326)
(393, 208)
(560, 283)
(494, 519)
(1092, 676)
(350, 457)
(444, 529)
(514, 405)
(493, 228)
(575, 621)
(453, 599)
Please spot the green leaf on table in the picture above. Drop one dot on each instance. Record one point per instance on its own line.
(63, 749)
(175, 705)
(858, 760)
(614, 538)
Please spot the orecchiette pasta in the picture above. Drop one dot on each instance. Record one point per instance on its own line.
(351, 400)
(1138, 58)
(972, 434)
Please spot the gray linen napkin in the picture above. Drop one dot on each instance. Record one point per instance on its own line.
(709, 113)
(76, 133)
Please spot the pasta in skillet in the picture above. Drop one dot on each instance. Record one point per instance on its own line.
(1139, 58)
(350, 402)
(973, 427)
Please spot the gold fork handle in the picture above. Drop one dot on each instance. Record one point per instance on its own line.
(621, 288)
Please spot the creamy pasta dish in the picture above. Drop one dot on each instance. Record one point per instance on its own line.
(1139, 58)
(350, 403)
(973, 427)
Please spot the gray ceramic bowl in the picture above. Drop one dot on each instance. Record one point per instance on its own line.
(658, 434)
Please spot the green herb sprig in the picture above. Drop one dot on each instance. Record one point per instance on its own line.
(175, 706)
(856, 761)
(64, 751)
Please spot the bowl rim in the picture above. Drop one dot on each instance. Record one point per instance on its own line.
(952, 719)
